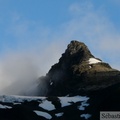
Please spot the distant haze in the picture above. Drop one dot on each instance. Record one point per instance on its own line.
(19, 71)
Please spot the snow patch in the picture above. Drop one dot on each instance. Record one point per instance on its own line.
(66, 101)
(93, 61)
(86, 116)
(19, 99)
(59, 114)
(5, 107)
(90, 67)
(47, 105)
(43, 114)
(17, 103)
(51, 83)
(83, 105)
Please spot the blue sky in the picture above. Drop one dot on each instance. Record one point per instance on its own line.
(41, 27)
(34, 34)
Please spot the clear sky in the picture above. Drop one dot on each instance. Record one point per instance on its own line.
(44, 27)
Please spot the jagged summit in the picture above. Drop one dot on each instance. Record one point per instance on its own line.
(80, 48)
(78, 59)
(76, 52)
(78, 70)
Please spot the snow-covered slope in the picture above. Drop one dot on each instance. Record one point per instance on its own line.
(44, 108)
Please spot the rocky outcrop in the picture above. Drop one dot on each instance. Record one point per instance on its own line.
(78, 71)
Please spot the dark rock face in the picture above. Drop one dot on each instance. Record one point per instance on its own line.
(78, 71)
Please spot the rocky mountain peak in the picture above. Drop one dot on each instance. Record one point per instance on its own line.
(79, 48)
(78, 70)
(78, 59)
(76, 52)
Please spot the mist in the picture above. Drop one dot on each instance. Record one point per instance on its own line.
(15, 72)
(20, 70)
